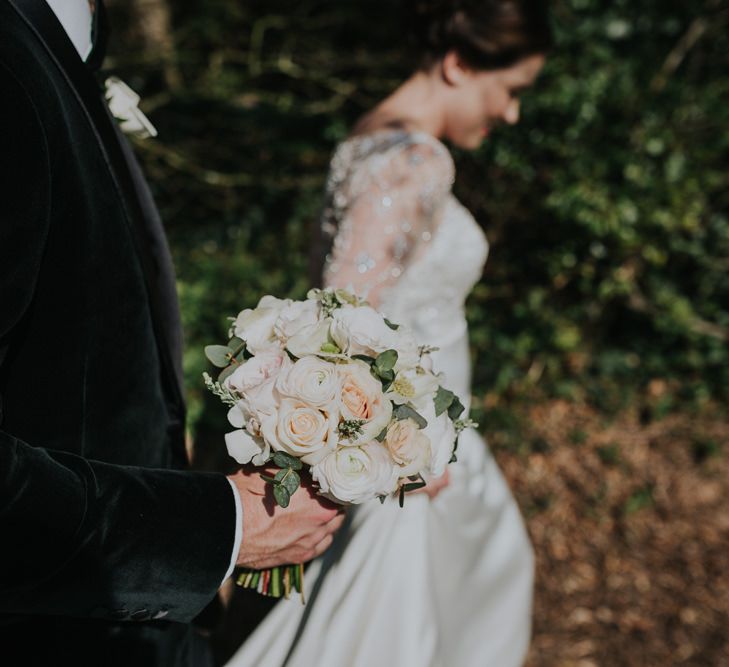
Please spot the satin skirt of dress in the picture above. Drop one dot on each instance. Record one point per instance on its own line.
(438, 582)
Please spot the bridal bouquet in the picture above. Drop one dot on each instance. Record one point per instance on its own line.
(330, 385)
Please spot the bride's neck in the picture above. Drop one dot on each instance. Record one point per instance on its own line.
(414, 105)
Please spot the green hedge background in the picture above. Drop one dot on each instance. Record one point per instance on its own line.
(606, 207)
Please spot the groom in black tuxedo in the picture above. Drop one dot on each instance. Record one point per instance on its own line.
(110, 548)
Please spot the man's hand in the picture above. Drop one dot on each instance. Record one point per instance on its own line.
(273, 535)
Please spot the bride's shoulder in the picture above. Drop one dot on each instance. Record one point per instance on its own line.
(395, 154)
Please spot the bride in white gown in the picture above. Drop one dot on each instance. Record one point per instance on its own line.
(447, 580)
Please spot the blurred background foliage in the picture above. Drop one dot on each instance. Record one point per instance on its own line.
(607, 207)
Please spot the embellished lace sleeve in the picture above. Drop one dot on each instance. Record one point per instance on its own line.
(384, 213)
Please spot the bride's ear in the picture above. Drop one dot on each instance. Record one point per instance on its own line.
(453, 68)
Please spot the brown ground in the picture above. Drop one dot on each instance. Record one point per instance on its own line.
(630, 523)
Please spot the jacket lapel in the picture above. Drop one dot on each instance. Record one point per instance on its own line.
(41, 20)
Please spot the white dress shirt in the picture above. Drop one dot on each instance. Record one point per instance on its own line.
(75, 17)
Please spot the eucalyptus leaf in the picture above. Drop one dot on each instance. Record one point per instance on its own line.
(382, 434)
(267, 479)
(282, 495)
(455, 409)
(413, 486)
(284, 460)
(218, 355)
(291, 481)
(443, 399)
(226, 372)
(392, 325)
(365, 358)
(406, 412)
(385, 361)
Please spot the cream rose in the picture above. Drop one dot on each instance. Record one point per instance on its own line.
(311, 380)
(256, 326)
(362, 330)
(356, 474)
(255, 371)
(361, 398)
(310, 339)
(295, 317)
(408, 447)
(304, 432)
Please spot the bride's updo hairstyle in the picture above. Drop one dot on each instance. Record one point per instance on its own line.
(487, 34)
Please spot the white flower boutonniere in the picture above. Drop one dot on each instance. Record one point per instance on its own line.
(124, 106)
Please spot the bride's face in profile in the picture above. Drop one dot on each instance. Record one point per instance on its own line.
(479, 100)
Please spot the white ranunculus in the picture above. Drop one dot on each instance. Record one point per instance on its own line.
(356, 474)
(311, 380)
(244, 448)
(409, 447)
(442, 435)
(255, 371)
(310, 339)
(361, 398)
(295, 317)
(302, 431)
(412, 386)
(255, 326)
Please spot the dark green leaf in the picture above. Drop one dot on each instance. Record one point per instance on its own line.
(456, 409)
(401, 498)
(291, 481)
(382, 434)
(392, 326)
(385, 361)
(413, 486)
(218, 355)
(443, 399)
(284, 460)
(365, 358)
(406, 412)
(267, 479)
(282, 495)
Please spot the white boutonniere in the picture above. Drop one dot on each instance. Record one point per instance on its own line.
(124, 106)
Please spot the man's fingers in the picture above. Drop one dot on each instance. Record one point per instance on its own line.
(320, 548)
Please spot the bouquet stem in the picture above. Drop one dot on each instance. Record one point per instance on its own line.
(274, 582)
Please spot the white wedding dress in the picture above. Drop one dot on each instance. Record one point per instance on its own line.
(446, 581)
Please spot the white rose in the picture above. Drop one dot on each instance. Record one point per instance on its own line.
(356, 474)
(255, 371)
(361, 398)
(362, 330)
(295, 317)
(255, 326)
(409, 447)
(302, 431)
(309, 340)
(442, 435)
(311, 380)
(412, 386)
(244, 448)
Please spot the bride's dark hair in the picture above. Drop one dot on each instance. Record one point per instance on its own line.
(487, 34)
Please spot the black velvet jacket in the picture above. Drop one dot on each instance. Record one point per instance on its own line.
(99, 523)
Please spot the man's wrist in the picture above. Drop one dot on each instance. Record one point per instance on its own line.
(238, 529)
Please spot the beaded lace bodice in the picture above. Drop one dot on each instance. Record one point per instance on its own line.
(399, 236)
